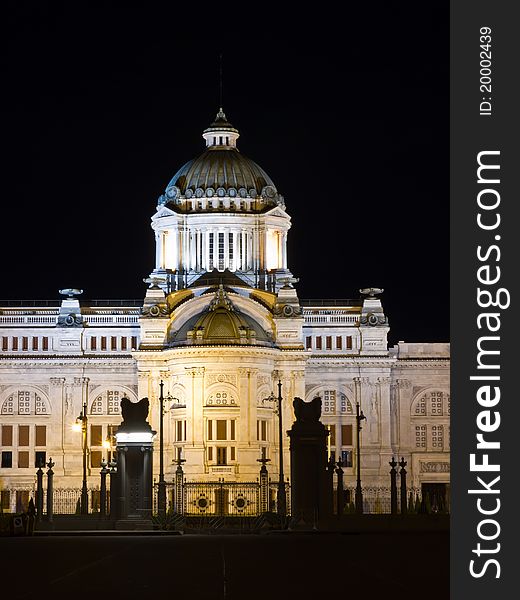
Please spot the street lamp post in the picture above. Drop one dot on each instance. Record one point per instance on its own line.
(281, 499)
(82, 425)
(359, 492)
(161, 496)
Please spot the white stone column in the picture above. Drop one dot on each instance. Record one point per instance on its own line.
(163, 250)
(226, 249)
(250, 245)
(234, 262)
(243, 266)
(157, 250)
(284, 250)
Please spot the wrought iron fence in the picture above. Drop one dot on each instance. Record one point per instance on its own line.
(221, 498)
(66, 501)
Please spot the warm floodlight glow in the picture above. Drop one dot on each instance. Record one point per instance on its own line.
(76, 426)
(106, 444)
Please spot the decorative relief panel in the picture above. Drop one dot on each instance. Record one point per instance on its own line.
(212, 378)
(434, 467)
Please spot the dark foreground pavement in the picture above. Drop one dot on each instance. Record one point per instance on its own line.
(214, 567)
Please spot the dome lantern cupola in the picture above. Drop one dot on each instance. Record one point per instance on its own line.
(221, 133)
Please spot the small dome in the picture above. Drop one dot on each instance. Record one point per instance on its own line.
(221, 171)
(221, 324)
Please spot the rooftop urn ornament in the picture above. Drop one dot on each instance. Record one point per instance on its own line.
(372, 292)
(70, 292)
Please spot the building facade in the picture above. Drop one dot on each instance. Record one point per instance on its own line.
(220, 325)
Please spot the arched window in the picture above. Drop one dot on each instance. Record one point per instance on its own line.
(433, 403)
(25, 402)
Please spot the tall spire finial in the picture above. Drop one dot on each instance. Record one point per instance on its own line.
(220, 79)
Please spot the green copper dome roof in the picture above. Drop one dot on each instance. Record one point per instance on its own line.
(220, 167)
(221, 171)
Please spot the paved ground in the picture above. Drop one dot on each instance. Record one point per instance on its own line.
(268, 567)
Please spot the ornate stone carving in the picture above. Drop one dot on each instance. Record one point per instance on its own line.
(287, 310)
(373, 320)
(263, 379)
(155, 310)
(195, 371)
(212, 378)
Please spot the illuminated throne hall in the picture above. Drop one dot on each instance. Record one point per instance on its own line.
(221, 323)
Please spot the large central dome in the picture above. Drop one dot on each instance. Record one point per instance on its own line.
(222, 178)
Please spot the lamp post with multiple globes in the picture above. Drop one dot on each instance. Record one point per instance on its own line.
(81, 424)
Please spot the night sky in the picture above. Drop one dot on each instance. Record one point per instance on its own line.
(101, 106)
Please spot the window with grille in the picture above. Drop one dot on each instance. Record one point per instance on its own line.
(93, 343)
(448, 403)
(349, 342)
(123, 343)
(113, 343)
(35, 343)
(103, 343)
(328, 342)
(329, 401)
(114, 402)
(15, 343)
(420, 407)
(24, 403)
(318, 342)
(437, 437)
(45, 343)
(308, 342)
(338, 342)
(39, 405)
(231, 249)
(8, 405)
(134, 342)
(97, 406)
(436, 403)
(420, 436)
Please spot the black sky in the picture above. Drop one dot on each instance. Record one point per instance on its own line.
(101, 106)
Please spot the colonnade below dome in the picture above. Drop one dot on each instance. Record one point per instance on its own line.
(213, 247)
